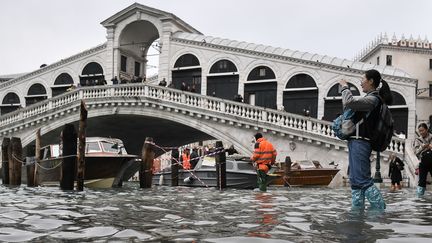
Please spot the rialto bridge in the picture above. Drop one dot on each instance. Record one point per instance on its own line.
(278, 85)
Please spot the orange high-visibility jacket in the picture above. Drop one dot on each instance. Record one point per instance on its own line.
(264, 154)
(186, 161)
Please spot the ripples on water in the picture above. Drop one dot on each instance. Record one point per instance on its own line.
(181, 214)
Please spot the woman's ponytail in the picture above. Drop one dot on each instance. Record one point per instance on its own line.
(385, 93)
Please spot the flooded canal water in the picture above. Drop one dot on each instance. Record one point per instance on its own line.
(180, 214)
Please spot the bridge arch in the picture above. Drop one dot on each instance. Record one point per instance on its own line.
(138, 47)
(300, 95)
(51, 132)
(223, 79)
(260, 87)
(187, 68)
(10, 102)
(35, 93)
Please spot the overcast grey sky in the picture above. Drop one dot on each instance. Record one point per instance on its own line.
(34, 32)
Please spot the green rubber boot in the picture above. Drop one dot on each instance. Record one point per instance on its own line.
(357, 199)
(262, 180)
(375, 198)
(420, 191)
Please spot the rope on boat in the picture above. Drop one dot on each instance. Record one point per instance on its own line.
(221, 150)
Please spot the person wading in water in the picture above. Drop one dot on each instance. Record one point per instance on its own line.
(264, 156)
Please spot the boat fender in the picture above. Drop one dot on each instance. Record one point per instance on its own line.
(161, 180)
(188, 179)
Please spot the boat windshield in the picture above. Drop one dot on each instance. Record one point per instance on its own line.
(113, 147)
(92, 147)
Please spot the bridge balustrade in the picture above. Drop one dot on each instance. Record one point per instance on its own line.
(275, 118)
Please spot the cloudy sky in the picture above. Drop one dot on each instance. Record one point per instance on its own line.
(34, 32)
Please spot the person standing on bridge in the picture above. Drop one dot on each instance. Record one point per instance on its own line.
(264, 156)
(423, 150)
(359, 146)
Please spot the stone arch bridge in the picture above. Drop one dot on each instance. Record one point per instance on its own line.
(172, 117)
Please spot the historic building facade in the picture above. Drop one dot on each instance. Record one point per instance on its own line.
(296, 82)
(411, 55)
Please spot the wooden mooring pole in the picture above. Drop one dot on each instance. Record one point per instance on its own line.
(5, 161)
(69, 141)
(220, 165)
(15, 161)
(174, 167)
(145, 173)
(287, 171)
(30, 167)
(37, 156)
(81, 147)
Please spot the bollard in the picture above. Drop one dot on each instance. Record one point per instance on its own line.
(145, 173)
(30, 167)
(15, 161)
(81, 147)
(174, 167)
(287, 171)
(5, 161)
(220, 165)
(69, 141)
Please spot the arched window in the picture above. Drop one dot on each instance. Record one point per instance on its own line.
(261, 73)
(261, 87)
(186, 60)
(61, 84)
(223, 80)
(63, 79)
(399, 111)
(92, 68)
(333, 101)
(92, 74)
(300, 95)
(11, 102)
(36, 93)
(187, 70)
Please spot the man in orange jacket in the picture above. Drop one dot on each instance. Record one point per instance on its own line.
(185, 159)
(264, 156)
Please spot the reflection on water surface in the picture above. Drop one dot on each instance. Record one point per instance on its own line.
(207, 215)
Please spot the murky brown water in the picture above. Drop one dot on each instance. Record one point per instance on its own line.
(180, 214)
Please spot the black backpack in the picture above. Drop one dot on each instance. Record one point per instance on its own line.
(382, 133)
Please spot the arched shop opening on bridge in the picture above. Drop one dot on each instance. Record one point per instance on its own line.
(11, 102)
(300, 95)
(92, 74)
(223, 80)
(61, 84)
(333, 101)
(187, 70)
(261, 87)
(36, 93)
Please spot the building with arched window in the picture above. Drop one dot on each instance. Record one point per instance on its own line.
(413, 56)
(274, 78)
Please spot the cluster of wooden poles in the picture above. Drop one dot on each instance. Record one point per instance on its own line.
(73, 163)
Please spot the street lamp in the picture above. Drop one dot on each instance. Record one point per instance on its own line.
(377, 177)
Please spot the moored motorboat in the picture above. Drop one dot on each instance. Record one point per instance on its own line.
(305, 173)
(240, 173)
(106, 163)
